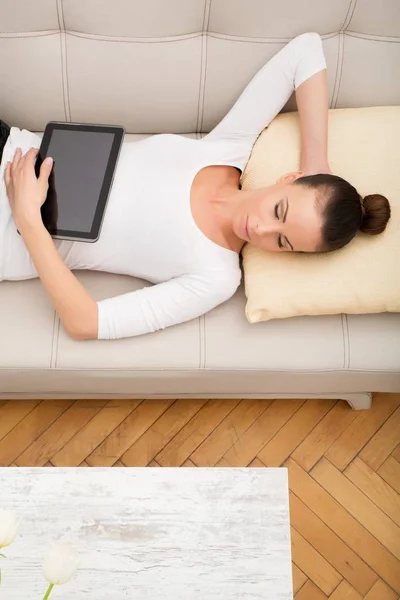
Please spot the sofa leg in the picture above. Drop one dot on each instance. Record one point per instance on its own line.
(360, 401)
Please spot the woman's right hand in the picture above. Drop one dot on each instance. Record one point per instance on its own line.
(26, 193)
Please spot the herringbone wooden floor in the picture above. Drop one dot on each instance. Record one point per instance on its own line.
(344, 468)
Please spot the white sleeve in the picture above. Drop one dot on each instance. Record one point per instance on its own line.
(162, 305)
(270, 89)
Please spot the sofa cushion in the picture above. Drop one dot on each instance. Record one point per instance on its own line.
(363, 277)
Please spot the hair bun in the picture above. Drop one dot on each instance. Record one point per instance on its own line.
(376, 214)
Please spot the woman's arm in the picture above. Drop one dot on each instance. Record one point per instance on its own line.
(75, 307)
(312, 103)
(269, 90)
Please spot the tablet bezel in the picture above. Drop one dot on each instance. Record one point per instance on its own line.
(94, 234)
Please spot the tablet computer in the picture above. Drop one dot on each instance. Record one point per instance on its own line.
(85, 157)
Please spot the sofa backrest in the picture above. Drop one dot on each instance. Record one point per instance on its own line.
(177, 66)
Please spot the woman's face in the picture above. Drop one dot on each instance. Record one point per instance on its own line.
(280, 218)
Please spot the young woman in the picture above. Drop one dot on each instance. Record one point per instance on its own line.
(177, 216)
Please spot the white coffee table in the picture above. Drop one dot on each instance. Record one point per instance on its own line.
(151, 533)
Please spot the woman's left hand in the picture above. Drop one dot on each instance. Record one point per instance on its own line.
(26, 193)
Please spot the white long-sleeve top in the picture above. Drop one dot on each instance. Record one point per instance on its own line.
(148, 229)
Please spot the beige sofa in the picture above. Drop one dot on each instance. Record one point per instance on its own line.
(177, 67)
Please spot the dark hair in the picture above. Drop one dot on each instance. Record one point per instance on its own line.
(344, 212)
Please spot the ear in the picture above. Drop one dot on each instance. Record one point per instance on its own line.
(290, 177)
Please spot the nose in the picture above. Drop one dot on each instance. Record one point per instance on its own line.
(262, 228)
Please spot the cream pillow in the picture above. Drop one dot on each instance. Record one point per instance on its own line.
(363, 277)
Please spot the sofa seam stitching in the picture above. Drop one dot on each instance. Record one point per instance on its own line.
(344, 340)
(200, 81)
(66, 64)
(203, 67)
(348, 342)
(206, 63)
(334, 93)
(132, 40)
(367, 36)
(341, 58)
(339, 68)
(52, 341)
(62, 57)
(200, 341)
(29, 34)
(57, 343)
(349, 15)
(205, 343)
(183, 37)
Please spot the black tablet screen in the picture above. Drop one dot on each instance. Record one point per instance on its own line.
(80, 162)
(84, 157)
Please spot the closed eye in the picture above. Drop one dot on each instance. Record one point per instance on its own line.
(279, 238)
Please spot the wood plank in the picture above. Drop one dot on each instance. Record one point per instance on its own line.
(188, 463)
(360, 431)
(92, 435)
(256, 437)
(60, 432)
(161, 432)
(358, 505)
(383, 443)
(368, 548)
(344, 591)
(30, 428)
(153, 463)
(256, 463)
(83, 464)
(12, 412)
(313, 564)
(223, 463)
(310, 591)
(396, 453)
(373, 486)
(228, 432)
(323, 435)
(298, 577)
(390, 472)
(380, 591)
(294, 431)
(127, 432)
(195, 432)
(330, 546)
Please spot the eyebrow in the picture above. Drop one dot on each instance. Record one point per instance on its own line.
(284, 220)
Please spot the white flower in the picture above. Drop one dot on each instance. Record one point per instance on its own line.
(9, 523)
(60, 563)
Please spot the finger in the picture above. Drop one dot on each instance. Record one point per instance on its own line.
(45, 170)
(31, 155)
(7, 174)
(16, 159)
